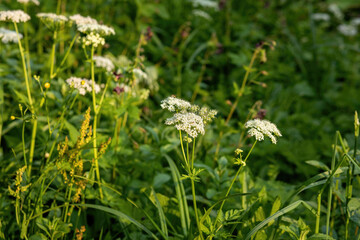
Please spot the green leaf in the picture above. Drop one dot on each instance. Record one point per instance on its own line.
(354, 210)
(161, 212)
(180, 195)
(38, 236)
(276, 206)
(120, 215)
(278, 214)
(320, 236)
(318, 164)
(73, 132)
(259, 214)
(22, 98)
(160, 179)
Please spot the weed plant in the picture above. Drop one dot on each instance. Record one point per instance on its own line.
(102, 137)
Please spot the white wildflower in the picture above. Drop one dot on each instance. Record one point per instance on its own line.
(202, 14)
(261, 128)
(7, 36)
(36, 2)
(80, 20)
(96, 28)
(175, 104)
(83, 85)
(139, 74)
(321, 17)
(336, 11)
(190, 123)
(14, 16)
(347, 30)
(207, 114)
(151, 79)
(52, 17)
(205, 3)
(93, 39)
(103, 62)
(355, 21)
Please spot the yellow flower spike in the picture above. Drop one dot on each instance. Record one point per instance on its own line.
(12, 118)
(47, 85)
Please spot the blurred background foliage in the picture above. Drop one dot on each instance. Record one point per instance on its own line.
(309, 84)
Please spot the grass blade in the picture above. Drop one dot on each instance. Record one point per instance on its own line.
(161, 214)
(181, 196)
(120, 215)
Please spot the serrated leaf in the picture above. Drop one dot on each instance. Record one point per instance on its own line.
(275, 207)
(259, 214)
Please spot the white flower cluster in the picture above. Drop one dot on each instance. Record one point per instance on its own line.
(103, 62)
(80, 20)
(334, 9)
(205, 3)
(321, 17)
(14, 16)
(202, 14)
(95, 28)
(355, 21)
(93, 39)
(190, 123)
(36, 2)
(261, 128)
(139, 74)
(52, 17)
(174, 104)
(83, 85)
(347, 30)
(189, 118)
(7, 36)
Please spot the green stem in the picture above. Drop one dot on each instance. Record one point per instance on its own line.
(195, 207)
(349, 189)
(328, 213)
(66, 56)
(23, 140)
(97, 171)
(183, 152)
(52, 58)
(318, 214)
(34, 121)
(241, 91)
(233, 181)
(244, 190)
(27, 50)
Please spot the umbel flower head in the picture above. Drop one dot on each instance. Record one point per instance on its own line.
(14, 16)
(103, 62)
(83, 85)
(7, 36)
(95, 28)
(188, 118)
(174, 104)
(93, 39)
(261, 128)
(190, 123)
(80, 20)
(52, 17)
(36, 2)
